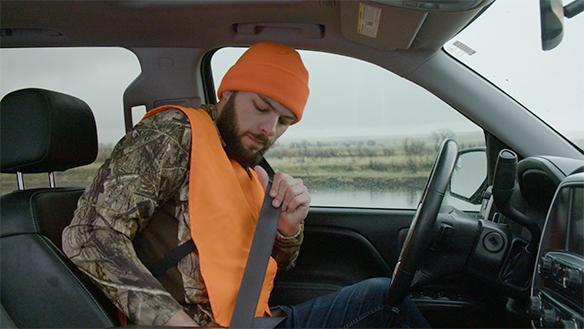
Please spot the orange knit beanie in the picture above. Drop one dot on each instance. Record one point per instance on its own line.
(272, 70)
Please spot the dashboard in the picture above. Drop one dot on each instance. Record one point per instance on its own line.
(539, 177)
(557, 287)
(540, 200)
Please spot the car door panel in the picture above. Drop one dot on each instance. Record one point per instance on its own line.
(341, 247)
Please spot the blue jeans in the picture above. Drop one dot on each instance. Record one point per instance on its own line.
(358, 306)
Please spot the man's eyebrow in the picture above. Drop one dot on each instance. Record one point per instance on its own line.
(265, 99)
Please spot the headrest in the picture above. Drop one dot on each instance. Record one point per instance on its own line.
(45, 131)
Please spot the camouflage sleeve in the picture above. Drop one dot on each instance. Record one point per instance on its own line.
(286, 249)
(146, 169)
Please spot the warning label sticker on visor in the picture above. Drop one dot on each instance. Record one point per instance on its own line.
(368, 20)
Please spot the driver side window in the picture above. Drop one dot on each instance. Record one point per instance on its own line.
(368, 138)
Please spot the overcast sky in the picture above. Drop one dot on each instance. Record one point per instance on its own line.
(551, 85)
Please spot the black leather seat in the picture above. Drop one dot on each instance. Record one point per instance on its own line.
(45, 131)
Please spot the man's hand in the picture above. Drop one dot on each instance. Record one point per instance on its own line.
(181, 319)
(292, 195)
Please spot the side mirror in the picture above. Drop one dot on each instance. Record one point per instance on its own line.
(469, 178)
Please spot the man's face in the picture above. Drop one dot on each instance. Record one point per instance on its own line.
(249, 124)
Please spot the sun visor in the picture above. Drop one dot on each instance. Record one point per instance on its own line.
(380, 26)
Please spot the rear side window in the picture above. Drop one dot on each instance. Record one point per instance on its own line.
(98, 76)
(368, 138)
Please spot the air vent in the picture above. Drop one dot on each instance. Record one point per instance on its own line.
(433, 5)
(31, 37)
(311, 31)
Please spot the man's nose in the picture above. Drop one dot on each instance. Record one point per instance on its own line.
(268, 126)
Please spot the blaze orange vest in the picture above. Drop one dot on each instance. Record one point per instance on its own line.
(224, 206)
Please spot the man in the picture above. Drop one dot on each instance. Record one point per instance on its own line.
(185, 174)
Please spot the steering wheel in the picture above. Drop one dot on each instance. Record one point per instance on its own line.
(417, 241)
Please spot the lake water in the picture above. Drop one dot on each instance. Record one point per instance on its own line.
(369, 199)
(380, 199)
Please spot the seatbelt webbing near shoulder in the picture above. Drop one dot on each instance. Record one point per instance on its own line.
(257, 262)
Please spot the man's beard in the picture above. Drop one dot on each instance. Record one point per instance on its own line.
(227, 124)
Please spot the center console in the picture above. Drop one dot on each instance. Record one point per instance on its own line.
(557, 293)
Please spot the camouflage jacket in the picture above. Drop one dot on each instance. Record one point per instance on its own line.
(134, 212)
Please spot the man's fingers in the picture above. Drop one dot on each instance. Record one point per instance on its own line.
(299, 200)
(263, 176)
(296, 196)
(285, 189)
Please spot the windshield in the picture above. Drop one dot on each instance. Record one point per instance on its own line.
(503, 45)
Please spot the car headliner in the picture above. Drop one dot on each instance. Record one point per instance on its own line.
(410, 35)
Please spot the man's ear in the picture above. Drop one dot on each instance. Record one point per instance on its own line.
(224, 98)
(226, 94)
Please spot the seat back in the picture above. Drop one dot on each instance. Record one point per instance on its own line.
(45, 131)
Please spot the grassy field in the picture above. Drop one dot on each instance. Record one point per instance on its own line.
(81, 176)
(367, 165)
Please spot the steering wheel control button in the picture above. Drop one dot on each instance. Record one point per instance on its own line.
(493, 242)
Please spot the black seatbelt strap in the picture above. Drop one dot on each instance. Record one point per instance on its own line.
(256, 266)
(257, 262)
(172, 258)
